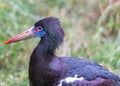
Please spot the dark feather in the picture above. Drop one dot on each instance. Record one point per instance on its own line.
(46, 69)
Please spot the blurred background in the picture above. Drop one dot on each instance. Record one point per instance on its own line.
(92, 29)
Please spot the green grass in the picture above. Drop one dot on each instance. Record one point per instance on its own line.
(84, 38)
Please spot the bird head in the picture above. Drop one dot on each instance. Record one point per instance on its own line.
(47, 29)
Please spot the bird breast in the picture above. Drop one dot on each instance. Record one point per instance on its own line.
(57, 65)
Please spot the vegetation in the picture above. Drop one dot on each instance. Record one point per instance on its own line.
(92, 29)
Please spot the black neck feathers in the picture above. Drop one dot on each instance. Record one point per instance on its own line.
(44, 65)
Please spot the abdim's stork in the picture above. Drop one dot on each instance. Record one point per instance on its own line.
(47, 69)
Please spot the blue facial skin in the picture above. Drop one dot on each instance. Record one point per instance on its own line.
(40, 33)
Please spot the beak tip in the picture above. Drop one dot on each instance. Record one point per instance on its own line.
(6, 42)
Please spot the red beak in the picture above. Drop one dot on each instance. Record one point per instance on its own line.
(24, 35)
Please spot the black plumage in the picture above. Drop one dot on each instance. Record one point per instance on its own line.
(47, 69)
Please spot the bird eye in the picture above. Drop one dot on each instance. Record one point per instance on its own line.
(40, 28)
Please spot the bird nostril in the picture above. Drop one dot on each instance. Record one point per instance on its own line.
(26, 31)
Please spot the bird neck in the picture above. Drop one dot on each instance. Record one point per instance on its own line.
(44, 64)
(48, 44)
(43, 54)
(45, 51)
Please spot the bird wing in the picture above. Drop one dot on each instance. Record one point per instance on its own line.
(85, 68)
